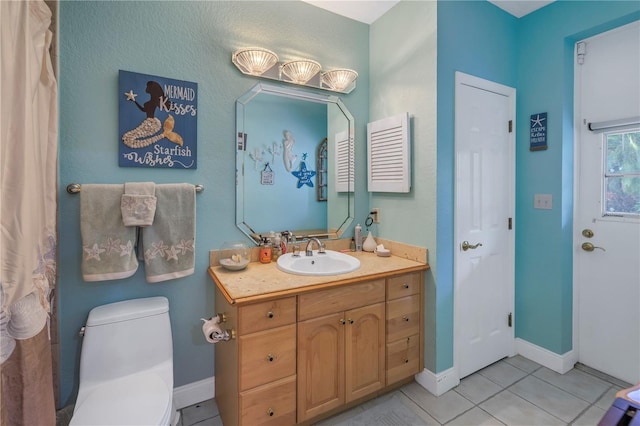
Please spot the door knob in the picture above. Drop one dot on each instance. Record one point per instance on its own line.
(466, 246)
(590, 247)
(587, 233)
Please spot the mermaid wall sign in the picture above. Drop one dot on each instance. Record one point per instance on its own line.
(158, 121)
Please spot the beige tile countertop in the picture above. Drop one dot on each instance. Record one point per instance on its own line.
(264, 281)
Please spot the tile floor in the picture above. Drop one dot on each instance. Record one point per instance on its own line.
(514, 391)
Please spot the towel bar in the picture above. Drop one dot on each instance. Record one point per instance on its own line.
(74, 188)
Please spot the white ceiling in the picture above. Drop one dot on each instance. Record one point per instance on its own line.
(519, 8)
(368, 11)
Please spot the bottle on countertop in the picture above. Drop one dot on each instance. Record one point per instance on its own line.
(265, 251)
(276, 249)
(352, 247)
(358, 237)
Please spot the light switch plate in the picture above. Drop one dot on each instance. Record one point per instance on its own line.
(543, 201)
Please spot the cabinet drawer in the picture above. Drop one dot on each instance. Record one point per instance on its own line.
(271, 404)
(403, 317)
(403, 358)
(339, 299)
(266, 315)
(403, 285)
(267, 356)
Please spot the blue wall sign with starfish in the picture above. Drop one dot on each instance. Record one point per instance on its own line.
(157, 121)
(538, 132)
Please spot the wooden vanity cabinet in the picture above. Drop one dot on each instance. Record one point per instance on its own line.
(305, 355)
(341, 346)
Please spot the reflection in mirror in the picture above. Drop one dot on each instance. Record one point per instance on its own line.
(281, 182)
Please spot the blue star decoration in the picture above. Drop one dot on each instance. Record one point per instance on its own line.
(304, 175)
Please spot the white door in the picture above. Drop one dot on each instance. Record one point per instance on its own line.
(607, 279)
(484, 222)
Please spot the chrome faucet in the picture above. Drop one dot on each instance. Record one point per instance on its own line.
(309, 250)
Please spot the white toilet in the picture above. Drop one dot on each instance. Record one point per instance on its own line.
(126, 365)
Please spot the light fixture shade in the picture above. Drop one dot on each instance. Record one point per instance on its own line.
(300, 71)
(254, 60)
(339, 79)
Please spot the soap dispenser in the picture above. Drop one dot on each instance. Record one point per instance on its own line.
(265, 251)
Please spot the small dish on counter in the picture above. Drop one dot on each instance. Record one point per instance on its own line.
(234, 256)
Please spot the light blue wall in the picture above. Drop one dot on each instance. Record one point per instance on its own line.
(190, 41)
(544, 238)
(476, 38)
(403, 79)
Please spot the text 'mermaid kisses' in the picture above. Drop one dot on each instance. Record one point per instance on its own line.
(185, 94)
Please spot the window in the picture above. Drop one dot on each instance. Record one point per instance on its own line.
(622, 174)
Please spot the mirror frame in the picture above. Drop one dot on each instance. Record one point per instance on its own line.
(298, 94)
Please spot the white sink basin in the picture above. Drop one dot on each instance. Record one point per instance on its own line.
(330, 263)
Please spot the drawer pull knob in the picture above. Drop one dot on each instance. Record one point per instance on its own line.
(406, 360)
(405, 318)
(270, 412)
(270, 358)
(342, 321)
(405, 285)
(270, 314)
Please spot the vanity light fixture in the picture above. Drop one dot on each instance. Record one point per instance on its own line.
(300, 71)
(339, 79)
(259, 62)
(254, 60)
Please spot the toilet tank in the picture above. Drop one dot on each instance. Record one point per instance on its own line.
(127, 337)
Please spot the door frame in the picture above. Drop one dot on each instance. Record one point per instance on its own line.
(509, 92)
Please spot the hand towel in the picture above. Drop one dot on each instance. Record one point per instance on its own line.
(138, 203)
(107, 245)
(169, 243)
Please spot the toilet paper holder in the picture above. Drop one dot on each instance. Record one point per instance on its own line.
(213, 333)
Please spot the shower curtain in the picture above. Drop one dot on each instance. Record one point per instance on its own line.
(28, 160)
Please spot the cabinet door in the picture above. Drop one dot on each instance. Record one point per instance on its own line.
(364, 351)
(320, 365)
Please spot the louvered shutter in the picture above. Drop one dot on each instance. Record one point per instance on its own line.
(389, 154)
(344, 170)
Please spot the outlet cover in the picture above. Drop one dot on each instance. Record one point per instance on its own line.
(543, 201)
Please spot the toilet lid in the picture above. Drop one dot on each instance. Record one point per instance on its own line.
(140, 399)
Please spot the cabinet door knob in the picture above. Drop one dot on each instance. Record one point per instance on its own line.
(270, 412)
(270, 358)
(342, 321)
(350, 321)
(270, 314)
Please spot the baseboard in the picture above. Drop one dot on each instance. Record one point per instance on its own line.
(192, 393)
(438, 383)
(558, 363)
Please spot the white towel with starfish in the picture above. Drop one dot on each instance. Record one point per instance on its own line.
(108, 247)
(169, 244)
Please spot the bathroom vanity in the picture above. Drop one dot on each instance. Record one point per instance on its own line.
(307, 347)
